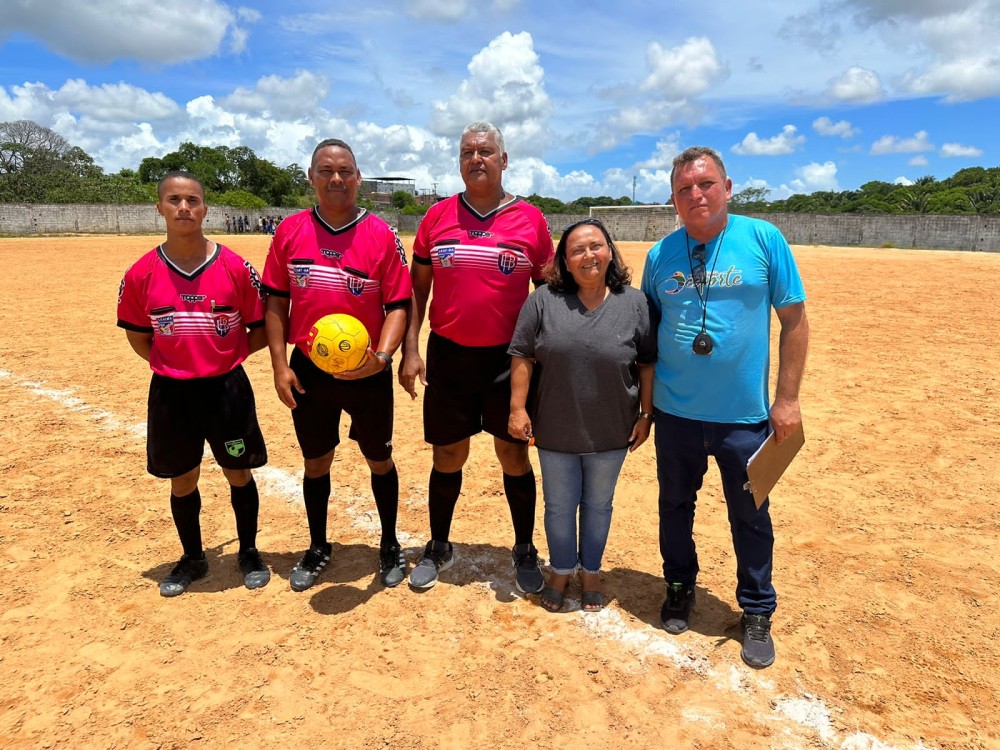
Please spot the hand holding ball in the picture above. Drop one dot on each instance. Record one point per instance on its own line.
(338, 343)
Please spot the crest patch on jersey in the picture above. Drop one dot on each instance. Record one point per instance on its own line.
(301, 275)
(507, 262)
(447, 256)
(164, 325)
(355, 285)
(222, 326)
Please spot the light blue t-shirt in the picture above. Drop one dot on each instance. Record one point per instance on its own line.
(749, 270)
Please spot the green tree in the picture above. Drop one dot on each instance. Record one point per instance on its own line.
(750, 199)
(401, 199)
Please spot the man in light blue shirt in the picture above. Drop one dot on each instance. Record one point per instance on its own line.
(714, 282)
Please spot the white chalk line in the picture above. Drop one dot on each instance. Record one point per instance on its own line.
(808, 711)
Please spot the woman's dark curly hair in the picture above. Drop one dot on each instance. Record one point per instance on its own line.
(557, 275)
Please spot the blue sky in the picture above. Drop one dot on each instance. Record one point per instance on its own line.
(798, 97)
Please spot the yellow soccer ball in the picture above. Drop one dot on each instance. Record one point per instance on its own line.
(338, 343)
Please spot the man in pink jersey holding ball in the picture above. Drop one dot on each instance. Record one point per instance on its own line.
(186, 307)
(480, 249)
(338, 258)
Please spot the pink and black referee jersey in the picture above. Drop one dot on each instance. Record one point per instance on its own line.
(199, 320)
(482, 267)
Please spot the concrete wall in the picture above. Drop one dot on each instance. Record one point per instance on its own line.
(951, 232)
(626, 223)
(132, 218)
(637, 223)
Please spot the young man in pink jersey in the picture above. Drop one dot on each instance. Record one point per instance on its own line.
(338, 258)
(186, 307)
(480, 249)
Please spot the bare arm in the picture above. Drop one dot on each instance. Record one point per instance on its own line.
(257, 339)
(413, 366)
(793, 344)
(392, 336)
(276, 329)
(640, 432)
(141, 343)
(519, 423)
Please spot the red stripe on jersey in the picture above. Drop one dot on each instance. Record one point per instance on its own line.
(479, 284)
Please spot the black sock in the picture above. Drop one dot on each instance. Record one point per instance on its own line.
(316, 496)
(442, 495)
(520, 493)
(385, 487)
(246, 505)
(186, 511)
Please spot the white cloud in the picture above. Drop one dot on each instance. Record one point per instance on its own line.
(280, 97)
(784, 143)
(961, 79)
(668, 95)
(436, 10)
(890, 144)
(663, 156)
(504, 86)
(904, 181)
(918, 161)
(811, 178)
(857, 85)
(841, 128)
(249, 15)
(957, 149)
(104, 30)
(114, 101)
(687, 70)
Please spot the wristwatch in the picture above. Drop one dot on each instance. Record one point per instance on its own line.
(385, 358)
(645, 415)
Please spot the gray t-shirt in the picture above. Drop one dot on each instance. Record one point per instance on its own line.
(585, 389)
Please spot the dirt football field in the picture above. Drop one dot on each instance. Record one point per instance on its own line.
(887, 557)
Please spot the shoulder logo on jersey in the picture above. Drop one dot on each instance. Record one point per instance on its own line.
(507, 262)
(479, 234)
(355, 285)
(399, 247)
(447, 256)
(334, 254)
(254, 279)
(193, 297)
(301, 275)
(236, 448)
(121, 290)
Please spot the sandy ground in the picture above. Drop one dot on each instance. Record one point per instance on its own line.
(887, 555)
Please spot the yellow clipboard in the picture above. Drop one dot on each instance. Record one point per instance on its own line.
(766, 466)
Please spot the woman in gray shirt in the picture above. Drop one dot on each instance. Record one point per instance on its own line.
(585, 343)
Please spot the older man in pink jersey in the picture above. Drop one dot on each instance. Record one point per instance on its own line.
(480, 249)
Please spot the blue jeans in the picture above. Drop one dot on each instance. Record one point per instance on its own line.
(682, 450)
(572, 481)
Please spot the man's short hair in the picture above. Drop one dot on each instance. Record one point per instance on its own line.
(333, 143)
(482, 126)
(179, 173)
(694, 153)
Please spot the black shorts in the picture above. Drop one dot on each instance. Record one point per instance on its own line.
(183, 414)
(316, 415)
(468, 391)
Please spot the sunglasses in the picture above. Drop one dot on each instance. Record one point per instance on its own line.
(698, 270)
